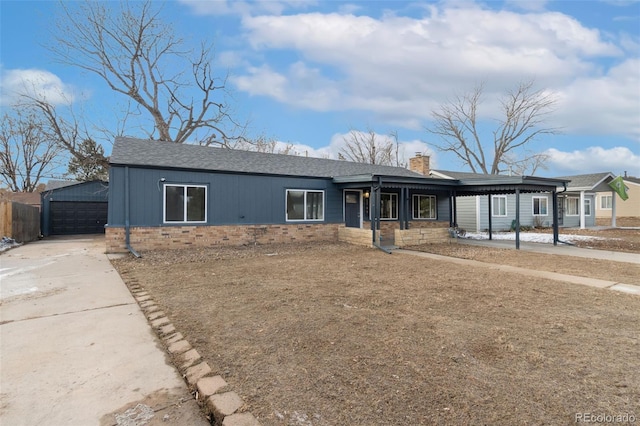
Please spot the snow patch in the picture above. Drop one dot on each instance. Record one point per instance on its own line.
(532, 237)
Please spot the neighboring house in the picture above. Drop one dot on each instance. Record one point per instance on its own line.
(71, 208)
(535, 208)
(608, 201)
(166, 195)
(581, 191)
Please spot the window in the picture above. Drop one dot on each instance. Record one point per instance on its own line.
(305, 205)
(424, 207)
(573, 206)
(388, 206)
(540, 205)
(587, 207)
(185, 203)
(499, 205)
(605, 202)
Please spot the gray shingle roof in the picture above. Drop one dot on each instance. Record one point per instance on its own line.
(146, 153)
(55, 184)
(465, 175)
(588, 181)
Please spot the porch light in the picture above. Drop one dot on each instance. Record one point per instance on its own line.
(366, 194)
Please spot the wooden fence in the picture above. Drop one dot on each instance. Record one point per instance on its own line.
(19, 221)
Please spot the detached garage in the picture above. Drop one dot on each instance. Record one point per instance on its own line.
(77, 208)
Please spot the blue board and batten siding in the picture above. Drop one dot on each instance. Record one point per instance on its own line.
(232, 199)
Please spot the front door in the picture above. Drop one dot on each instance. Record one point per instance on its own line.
(352, 209)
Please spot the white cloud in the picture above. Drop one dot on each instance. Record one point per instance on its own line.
(594, 160)
(401, 67)
(300, 86)
(35, 83)
(609, 104)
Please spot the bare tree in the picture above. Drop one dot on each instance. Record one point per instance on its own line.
(28, 153)
(65, 130)
(524, 110)
(134, 52)
(266, 144)
(368, 148)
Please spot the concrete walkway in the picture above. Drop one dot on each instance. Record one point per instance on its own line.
(562, 250)
(75, 348)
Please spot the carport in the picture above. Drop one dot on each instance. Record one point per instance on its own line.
(490, 185)
(511, 185)
(77, 208)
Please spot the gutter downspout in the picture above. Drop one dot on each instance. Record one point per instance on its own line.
(126, 214)
(376, 217)
(556, 237)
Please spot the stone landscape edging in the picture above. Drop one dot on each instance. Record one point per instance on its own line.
(221, 404)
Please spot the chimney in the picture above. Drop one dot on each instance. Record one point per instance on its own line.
(419, 164)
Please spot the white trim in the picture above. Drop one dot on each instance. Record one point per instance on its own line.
(304, 203)
(566, 210)
(184, 208)
(493, 205)
(582, 219)
(478, 213)
(439, 174)
(546, 207)
(601, 197)
(588, 201)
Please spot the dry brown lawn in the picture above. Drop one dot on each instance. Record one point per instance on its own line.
(332, 334)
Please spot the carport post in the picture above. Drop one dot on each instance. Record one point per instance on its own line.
(455, 210)
(373, 212)
(407, 209)
(401, 213)
(450, 209)
(517, 219)
(554, 201)
(489, 203)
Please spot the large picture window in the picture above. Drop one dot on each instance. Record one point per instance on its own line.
(388, 206)
(185, 203)
(498, 205)
(424, 207)
(540, 206)
(305, 205)
(573, 206)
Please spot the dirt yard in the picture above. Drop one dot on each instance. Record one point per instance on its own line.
(333, 334)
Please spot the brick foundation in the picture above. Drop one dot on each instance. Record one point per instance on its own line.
(172, 237)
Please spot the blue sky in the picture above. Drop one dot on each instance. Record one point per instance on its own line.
(306, 73)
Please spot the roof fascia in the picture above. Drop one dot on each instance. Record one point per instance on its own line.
(391, 179)
(226, 172)
(440, 174)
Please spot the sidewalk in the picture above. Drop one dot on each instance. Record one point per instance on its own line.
(560, 249)
(75, 349)
(563, 250)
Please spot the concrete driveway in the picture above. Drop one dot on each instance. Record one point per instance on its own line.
(75, 349)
